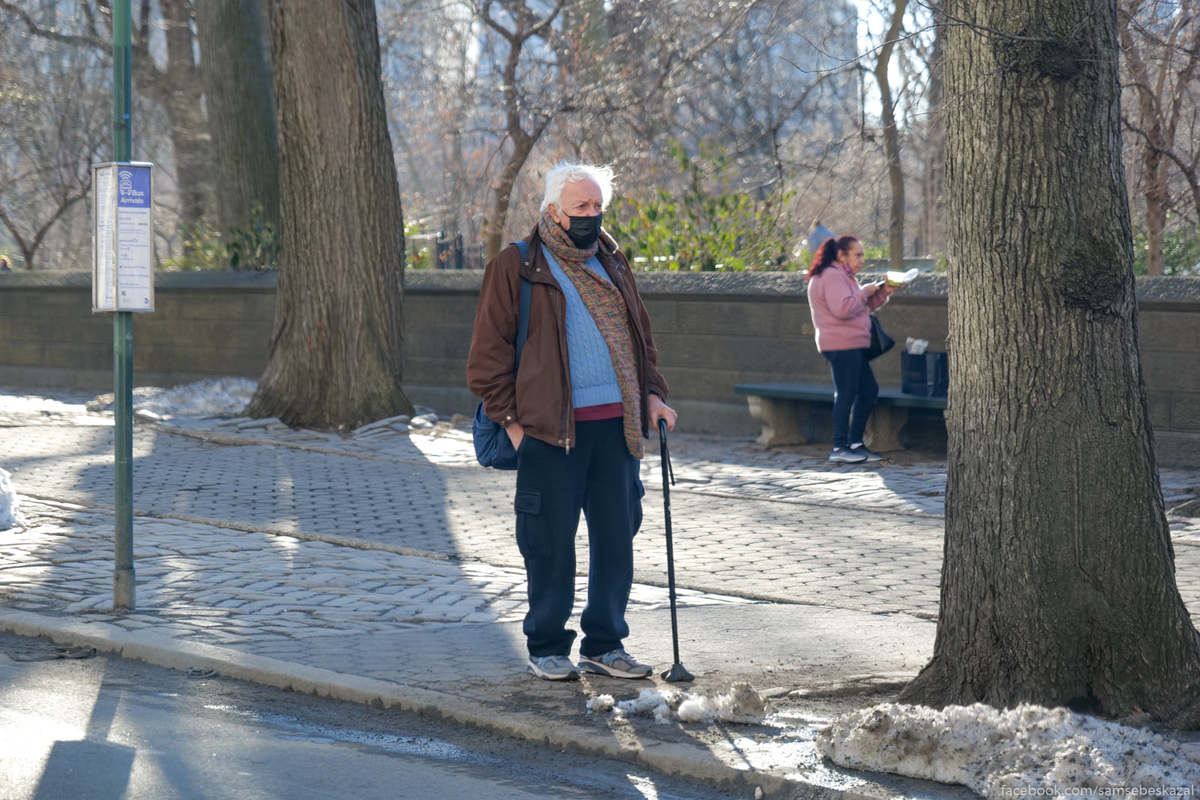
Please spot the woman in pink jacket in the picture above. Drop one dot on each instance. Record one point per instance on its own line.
(841, 314)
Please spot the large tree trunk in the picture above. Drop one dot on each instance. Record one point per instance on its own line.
(891, 137)
(1058, 583)
(241, 110)
(335, 357)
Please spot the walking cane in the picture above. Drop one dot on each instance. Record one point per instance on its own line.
(677, 672)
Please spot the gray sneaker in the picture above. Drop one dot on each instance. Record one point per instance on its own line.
(862, 448)
(845, 455)
(553, 668)
(615, 664)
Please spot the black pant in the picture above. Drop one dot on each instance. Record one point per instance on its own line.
(600, 478)
(854, 387)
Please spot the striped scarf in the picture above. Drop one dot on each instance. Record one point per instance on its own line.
(607, 307)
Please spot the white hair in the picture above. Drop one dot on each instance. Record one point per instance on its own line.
(565, 172)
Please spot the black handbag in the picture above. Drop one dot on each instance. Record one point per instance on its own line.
(493, 448)
(880, 341)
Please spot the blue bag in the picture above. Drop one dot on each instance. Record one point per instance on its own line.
(493, 448)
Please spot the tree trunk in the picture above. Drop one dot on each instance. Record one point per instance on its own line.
(181, 94)
(335, 358)
(241, 110)
(1058, 582)
(933, 178)
(1155, 167)
(502, 194)
(526, 27)
(891, 137)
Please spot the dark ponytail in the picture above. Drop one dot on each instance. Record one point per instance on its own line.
(827, 254)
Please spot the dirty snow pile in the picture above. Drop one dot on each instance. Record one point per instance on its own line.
(212, 397)
(1052, 752)
(740, 704)
(8, 503)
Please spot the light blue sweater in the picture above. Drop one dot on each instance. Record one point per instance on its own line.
(593, 379)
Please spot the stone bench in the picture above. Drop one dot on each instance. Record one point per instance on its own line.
(801, 413)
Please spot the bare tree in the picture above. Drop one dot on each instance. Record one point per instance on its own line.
(59, 122)
(1058, 580)
(932, 144)
(524, 121)
(891, 134)
(176, 86)
(1160, 42)
(336, 352)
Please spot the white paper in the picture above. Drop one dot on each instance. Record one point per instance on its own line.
(103, 233)
(897, 278)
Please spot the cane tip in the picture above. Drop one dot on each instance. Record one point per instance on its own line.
(677, 674)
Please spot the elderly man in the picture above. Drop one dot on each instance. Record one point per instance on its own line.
(587, 392)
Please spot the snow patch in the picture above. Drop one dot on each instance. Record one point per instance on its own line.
(9, 518)
(741, 704)
(601, 703)
(211, 397)
(1005, 753)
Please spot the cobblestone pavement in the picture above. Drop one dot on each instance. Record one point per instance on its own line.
(412, 502)
(770, 525)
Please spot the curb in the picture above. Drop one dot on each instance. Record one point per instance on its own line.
(694, 763)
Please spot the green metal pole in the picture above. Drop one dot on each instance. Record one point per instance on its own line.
(123, 582)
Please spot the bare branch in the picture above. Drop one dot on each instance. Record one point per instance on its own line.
(49, 33)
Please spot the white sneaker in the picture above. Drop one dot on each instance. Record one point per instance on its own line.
(845, 455)
(553, 668)
(615, 664)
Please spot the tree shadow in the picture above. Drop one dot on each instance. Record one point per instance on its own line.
(356, 563)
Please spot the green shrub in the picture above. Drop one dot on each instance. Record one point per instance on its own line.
(202, 249)
(255, 246)
(417, 253)
(707, 226)
(1181, 252)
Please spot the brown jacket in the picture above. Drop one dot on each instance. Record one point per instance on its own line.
(540, 396)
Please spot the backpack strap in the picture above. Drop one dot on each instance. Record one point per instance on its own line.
(523, 314)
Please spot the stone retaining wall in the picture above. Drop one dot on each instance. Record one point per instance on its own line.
(713, 330)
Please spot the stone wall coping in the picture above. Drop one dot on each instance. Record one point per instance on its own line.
(1170, 291)
(207, 280)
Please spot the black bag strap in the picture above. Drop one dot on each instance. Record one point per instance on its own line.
(523, 313)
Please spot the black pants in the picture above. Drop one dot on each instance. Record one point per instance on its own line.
(600, 478)
(854, 387)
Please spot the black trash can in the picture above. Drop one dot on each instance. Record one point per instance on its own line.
(925, 374)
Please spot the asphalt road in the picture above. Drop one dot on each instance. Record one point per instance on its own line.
(77, 725)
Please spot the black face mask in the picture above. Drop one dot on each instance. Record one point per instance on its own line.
(584, 231)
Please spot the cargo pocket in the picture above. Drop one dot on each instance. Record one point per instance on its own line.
(531, 539)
